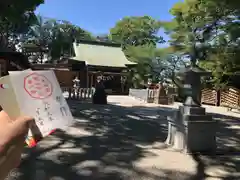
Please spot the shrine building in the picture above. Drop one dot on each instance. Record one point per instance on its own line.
(93, 59)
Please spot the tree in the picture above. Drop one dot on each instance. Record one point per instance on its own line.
(14, 9)
(55, 36)
(65, 34)
(189, 31)
(136, 31)
(144, 57)
(39, 37)
(139, 38)
(207, 30)
(158, 63)
(223, 58)
(170, 64)
(15, 18)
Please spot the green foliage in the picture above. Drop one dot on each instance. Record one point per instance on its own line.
(65, 34)
(55, 36)
(143, 55)
(15, 18)
(136, 31)
(158, 63)
(208, 30)
(138, 36)
(15, 9)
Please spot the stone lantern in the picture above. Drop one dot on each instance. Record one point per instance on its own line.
(191, 129)
(192, 84)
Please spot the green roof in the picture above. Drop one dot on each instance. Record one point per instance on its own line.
(100, 55)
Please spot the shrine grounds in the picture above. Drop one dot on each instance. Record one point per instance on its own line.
(124, 140)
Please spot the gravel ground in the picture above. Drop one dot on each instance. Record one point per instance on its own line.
(124, 140)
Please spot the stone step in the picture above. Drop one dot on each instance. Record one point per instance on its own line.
(197, 117)
(192, 110)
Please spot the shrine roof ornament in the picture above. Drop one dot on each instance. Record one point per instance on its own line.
(97, 54)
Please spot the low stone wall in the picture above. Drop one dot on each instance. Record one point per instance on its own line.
(141, 94)
(152, 96)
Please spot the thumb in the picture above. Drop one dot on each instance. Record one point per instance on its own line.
(20, 126)
(24, 121)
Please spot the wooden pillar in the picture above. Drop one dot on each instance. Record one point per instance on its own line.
(91, 84)
(127, 83)
(3, 67)
(87, 78)
(95, 79)
(82, 78)
(122, 84)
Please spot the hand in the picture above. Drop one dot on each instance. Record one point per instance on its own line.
(12, 140)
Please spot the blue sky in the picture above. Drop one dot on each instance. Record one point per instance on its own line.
(98, 16)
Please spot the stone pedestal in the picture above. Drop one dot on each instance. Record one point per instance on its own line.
(162, 100)
(161, 96)
(192, 130)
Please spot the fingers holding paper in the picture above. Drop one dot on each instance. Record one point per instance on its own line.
(10, 130)
(12, 137)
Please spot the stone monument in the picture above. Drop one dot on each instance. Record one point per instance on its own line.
(191, 129)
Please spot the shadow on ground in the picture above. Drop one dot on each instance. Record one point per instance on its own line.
(109, 140)
(227, 156)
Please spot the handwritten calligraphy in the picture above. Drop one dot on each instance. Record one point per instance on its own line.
(46, 111)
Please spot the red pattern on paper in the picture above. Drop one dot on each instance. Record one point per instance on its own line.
(38, 86)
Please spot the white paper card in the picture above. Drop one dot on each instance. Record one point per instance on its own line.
(39, 95)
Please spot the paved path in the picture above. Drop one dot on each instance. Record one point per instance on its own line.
(124, 140)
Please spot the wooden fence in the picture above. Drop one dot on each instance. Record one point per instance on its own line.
(229, 97)
(209, 96)
(78, 94)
